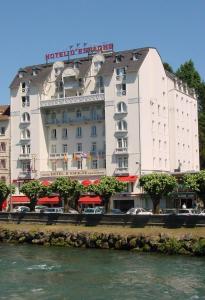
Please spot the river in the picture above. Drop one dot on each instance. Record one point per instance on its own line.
(34, 272)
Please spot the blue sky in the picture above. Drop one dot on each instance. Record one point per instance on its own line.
(29, 29)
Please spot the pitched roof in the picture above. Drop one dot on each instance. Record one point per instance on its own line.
(4, 112)
(84, 65)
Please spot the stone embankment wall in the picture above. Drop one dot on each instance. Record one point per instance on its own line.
(186, 244)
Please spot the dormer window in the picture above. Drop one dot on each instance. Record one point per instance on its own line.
(21, 73)
(118, 58)
(136, 56)
(76, 65)
(35, 71)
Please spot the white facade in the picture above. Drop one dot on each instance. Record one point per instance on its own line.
(5, 143)
(117, 114)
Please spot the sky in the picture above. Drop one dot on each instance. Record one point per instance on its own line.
(29, 29)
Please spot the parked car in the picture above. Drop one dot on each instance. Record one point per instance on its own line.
(73, 211)
(138, 211)
(202, 213)
(169, 211)
(187, 212)
(21, 209)
(94, 210)
(40, 208)
(55, 210)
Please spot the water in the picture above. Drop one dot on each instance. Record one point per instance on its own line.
(33, 272)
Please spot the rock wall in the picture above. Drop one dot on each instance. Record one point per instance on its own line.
(161, 243)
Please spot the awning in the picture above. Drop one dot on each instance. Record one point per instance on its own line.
(97, 181)
(127, 178)
(86, 182)
(20, 200)
(90, 200)
(45, 183)
(48, 200)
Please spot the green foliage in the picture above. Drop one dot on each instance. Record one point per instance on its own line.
(170, 246)
(196, 183)
(106, 188)
(67, 189)
(158, 185)
(34, 190)
(188, 74)
(199, 247)
(167, 67)
(5, 190)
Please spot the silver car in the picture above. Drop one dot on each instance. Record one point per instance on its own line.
(138, 211)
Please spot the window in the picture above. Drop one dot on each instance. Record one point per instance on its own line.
(25, 100)
(79, 164)
(118, 58)
(79, 147)
(120, 73)
(121, 89)
(65, 165)
(25, 134)
(94, 147)
(2, 164)
(53, 117)
(53, 149)
(53, 134)
(122, 143)
(2, 147)
(65, 148)
(26, 167)
(122, 162)
(93, 114)
(78, 132)
(25, 149)
(121, 125)
(121, 107)
(53, 166)
(25, 117)
(78, 113)
(158, 109)
(64, 116)
(64, 133)
(94, 164)
(93, 130)
(2, 130)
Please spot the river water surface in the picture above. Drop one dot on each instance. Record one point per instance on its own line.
(33, 272)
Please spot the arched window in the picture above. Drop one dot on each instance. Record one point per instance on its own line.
(121, 107)
(121, 125)
(25, 134)
(25, 117)
(78, 113)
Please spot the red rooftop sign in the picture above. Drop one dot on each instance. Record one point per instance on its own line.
(78, 51)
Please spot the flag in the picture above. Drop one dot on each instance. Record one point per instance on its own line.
(65, 157)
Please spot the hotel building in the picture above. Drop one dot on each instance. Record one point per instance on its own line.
(5, 143)
(118, 114)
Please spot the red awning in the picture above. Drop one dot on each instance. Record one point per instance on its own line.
(127, 178)
(20, 200)
(86, 182)
(45, 183)
(90, 200)
(97, 181)
(48, 200)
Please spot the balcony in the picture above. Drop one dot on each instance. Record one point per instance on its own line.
(121, 150)
(23, 156)
(72, 100)
(121, 171)
(121, 132)
(57, 155)
(25, 175)
(74, 173)
(73, 121)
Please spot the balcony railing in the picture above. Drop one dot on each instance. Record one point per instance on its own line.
(87, 172)
(72, 100)
(57, 155)
(121, 150)
(74, 120)
(121, 171)
(23, 156)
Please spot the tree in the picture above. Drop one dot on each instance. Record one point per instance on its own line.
(157, 185)
(167, 67)
(196, 183)
(34, 190)
(67, 189)
(5, 190)
(189, 74)
(106, 188)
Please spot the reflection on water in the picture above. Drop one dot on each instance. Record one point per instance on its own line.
(29, 272)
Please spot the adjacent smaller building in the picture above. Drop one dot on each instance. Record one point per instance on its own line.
(5, 143)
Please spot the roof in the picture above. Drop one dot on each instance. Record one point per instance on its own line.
(4, 112)
(84, 65)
